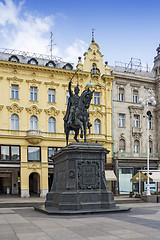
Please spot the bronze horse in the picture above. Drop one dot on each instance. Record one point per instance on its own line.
(81, 115)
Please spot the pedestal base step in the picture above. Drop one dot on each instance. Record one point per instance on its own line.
(54, 211)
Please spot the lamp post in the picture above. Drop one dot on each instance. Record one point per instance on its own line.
(148, 99)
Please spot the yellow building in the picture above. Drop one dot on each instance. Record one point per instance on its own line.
(33, 101)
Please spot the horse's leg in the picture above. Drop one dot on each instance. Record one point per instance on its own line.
(67, 136)
(85, 128)
(79, 123)
(76, 134)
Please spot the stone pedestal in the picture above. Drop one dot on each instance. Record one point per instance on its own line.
(79, 184)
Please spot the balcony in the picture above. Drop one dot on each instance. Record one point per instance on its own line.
(34, 136)
(131, 155)
(136, 130)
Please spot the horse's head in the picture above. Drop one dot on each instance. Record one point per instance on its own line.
(85, 98)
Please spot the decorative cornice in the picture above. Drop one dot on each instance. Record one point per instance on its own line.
(96, 86)
(1, 107)
(97, 113)
(14, 108)
(34, 81)
(34, 110)
(121, 83)
(135, 85)
(63, 112)
(106, 77)
(52, 83)
(34, 166)
(52, 111)
(14, 79)
(135, 109)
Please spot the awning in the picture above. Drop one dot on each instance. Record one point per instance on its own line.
(135, 178)
(110, 175)
(154, 176)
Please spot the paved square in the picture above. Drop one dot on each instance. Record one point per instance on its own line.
(143, 222)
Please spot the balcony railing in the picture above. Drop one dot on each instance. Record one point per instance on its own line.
(34, 133)
(136, 130)
(135, 155)
(34, 136)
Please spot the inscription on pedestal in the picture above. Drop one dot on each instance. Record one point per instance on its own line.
(89, 174)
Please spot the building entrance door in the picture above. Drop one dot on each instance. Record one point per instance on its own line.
(5, 183)
(34, 184)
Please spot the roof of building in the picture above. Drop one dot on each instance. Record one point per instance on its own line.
(132, 71)
(34, 59)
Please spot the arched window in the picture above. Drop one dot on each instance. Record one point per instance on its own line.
(136, 146)
(13, 58)
(52, 125)
(50, 64)
(68, 66)
(97, 126)
(33, 123)
(14, 122)
(33, 61)
(122, 145)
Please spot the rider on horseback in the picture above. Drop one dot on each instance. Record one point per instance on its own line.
(73, 102)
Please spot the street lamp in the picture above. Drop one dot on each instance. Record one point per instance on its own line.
(148, 99)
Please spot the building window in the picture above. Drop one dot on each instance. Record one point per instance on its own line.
(68, 66)
(14, 58)
(11, 153)
(51, 125)
(67, 96)
(150, 147)
(5, 153)
(33, 61)
(122, 145)
(121, 120)
(136, 121)
(135, 96)
(34, 154)
(121, 94)
(51, 95)
(33, 93)
(136, 146)
(14, 91)
(33, 123)
(149, 123)
(97, 126)
(14, 122)
(15, 153)
(51, 64)
(96, 98)
(93, 69)
(51, 152)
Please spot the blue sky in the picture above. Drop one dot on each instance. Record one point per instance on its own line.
(123, 29)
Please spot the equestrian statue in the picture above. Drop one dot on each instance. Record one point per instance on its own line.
(77, 116)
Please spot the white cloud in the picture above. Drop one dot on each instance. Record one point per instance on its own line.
(22, 31)
(76, 50)
(9, 12)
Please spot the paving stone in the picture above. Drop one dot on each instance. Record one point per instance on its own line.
(142, 223)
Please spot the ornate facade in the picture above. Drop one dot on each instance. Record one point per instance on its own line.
(33, 101)
(130, 123)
